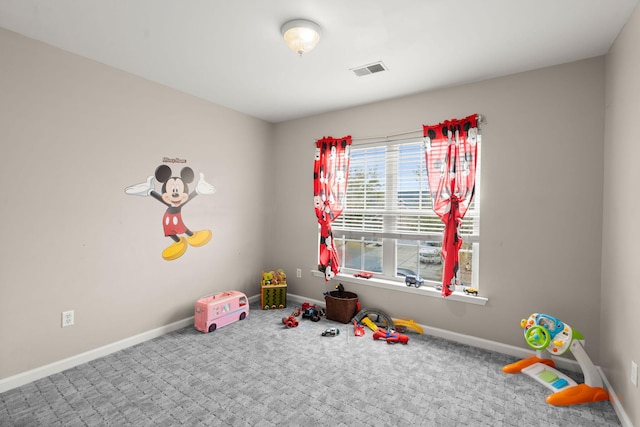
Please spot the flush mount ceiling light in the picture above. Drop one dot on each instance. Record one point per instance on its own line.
(301, 35)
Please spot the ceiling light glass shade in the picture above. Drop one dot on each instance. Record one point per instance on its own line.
(301, 35)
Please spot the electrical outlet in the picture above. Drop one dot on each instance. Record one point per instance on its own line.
(298, 272)
(634, 373)
(67, 318)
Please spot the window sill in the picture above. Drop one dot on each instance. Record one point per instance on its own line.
(427, 291)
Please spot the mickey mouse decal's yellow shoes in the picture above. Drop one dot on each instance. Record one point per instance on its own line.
(176, 250)
(200, 238)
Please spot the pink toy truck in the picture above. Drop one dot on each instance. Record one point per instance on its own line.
(215, 311)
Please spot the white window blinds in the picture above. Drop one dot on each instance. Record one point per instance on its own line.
(388, 195)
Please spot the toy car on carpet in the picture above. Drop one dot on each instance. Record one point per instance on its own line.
(290, 322)
(311, 312)
(331, 332)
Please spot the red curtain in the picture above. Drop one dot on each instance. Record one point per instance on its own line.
(451, 153)
(330, 173)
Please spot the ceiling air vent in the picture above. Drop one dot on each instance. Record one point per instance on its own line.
(364, 70)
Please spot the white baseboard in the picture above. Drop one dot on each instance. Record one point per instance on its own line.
(615, 402)
(61, 365)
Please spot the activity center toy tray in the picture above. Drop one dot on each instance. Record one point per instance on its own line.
(548, 376)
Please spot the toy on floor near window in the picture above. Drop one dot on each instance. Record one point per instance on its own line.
(331, 332)
(542, 331)
(383, 326)
(401, 324)
(308, 311)
(311, 312)
(374, 319)
(392, 337)
(290, 321)
(358, 330)
(341, 305)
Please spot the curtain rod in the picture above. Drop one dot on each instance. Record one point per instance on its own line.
(480, 118)
(364, 138)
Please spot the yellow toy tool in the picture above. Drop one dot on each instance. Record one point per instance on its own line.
(369, 323)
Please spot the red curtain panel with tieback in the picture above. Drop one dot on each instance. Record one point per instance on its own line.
(451, 153)
(330, 174)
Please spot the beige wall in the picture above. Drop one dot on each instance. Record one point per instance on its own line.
(74, 134)
(620, 339)
(541, 199)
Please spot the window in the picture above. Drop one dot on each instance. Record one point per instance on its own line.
(388, 226)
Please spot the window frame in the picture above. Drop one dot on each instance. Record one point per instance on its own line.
(391, 239)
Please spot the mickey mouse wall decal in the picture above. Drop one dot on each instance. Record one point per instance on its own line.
(175, 194)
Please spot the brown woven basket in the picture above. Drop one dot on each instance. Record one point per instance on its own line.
(341, 306)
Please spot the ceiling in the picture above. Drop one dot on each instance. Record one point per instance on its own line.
(232, 53)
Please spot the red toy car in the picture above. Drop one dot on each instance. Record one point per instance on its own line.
(392, 337)
(290, 322)
(364, 274)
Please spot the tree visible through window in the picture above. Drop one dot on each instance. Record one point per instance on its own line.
(388, 226)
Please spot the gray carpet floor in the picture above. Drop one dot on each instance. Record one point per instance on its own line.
(258, 372)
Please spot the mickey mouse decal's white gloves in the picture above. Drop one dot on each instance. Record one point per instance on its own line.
(204, 187)
(142, 189)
